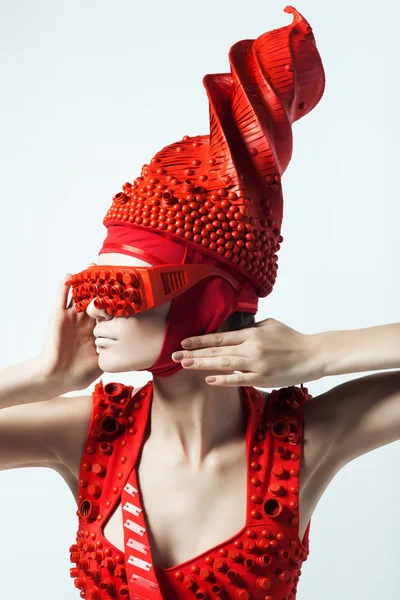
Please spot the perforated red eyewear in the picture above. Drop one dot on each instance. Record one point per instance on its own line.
(122, 291)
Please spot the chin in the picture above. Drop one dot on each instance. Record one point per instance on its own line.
(112, 364)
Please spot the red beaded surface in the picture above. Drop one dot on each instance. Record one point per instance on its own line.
(261, 562)
(222, 192)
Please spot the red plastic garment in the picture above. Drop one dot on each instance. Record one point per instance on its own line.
(261, 562)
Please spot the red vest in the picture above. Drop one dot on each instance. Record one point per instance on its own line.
(260, 562)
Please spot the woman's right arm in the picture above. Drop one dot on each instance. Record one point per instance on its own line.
(27, 382)
(36, 422)
(45, 433)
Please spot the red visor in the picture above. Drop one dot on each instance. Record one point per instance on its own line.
(123, 291)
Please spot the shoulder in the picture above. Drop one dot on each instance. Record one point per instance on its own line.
(321, 427)
(285, 394)
(82, 409)
(319, 419)
(77, 414)
(264, 395)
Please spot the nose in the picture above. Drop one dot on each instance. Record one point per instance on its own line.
(97, 313)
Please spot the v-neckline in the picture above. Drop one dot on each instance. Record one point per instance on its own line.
(245, 393)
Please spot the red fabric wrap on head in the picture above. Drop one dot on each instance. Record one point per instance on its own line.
(200, 310)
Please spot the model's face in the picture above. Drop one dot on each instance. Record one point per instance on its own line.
(138, 338)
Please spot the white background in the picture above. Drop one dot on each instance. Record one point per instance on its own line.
(90, 91)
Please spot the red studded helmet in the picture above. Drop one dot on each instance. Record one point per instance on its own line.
(221, 193)
(216, 199)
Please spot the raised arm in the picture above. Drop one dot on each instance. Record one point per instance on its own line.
(33, 413)
(68, 360)
(365, 413)
(27, 382)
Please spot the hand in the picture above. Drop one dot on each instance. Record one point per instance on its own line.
(69, 354)
(269, 354)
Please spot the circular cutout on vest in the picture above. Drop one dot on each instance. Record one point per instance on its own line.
(109, 425)
(272, 508)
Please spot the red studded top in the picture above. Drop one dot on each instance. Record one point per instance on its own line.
(260, 562)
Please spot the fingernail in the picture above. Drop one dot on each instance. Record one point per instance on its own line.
(177, 355)
(188, 362)
(187, 343)
(211, 379)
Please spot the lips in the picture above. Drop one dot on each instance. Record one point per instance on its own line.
(99, 335)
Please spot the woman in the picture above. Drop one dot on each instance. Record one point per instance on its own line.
(155, 471)
(204, 218)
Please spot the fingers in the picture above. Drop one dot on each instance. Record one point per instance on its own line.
(65, 289)
(238, 350)
(235, 380)
(216, 339)
(223, 363)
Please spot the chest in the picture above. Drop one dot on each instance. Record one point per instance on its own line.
(188, 513)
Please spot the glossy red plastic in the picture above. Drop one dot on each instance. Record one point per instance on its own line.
(221, 193)
(262, 560)
(122, 291)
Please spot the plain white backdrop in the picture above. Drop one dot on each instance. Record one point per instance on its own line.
(90, 91)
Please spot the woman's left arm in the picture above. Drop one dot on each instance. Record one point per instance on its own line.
(271, 354)
(358, 350)
(364, 413)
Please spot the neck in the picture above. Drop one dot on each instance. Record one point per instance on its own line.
(194, 420)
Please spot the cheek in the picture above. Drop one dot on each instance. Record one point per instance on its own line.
(166, 310)
(149, 322)
(159, 313)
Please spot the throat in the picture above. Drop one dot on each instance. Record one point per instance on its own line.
(197, 446)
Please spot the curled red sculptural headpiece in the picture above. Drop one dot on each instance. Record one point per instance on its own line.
(217, 199)
(222, 193)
